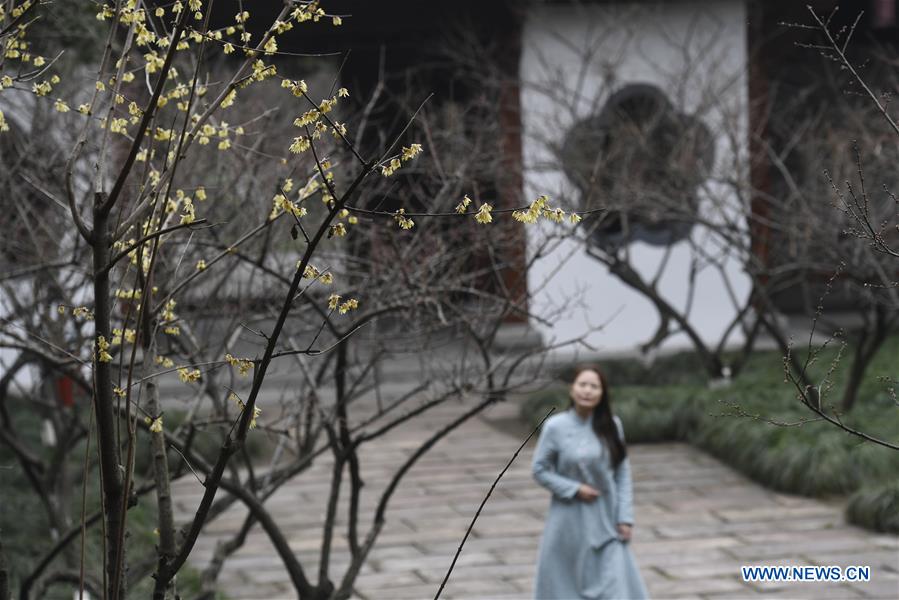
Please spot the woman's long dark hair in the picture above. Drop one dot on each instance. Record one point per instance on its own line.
(603, 425)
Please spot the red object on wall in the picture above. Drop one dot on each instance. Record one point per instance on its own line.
(884, 13)
(64, 391)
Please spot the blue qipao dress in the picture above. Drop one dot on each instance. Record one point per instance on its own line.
(580, 553)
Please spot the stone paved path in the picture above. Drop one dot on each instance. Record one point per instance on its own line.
(697, 522)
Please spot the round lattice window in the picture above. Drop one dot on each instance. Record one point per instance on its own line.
(642, 161)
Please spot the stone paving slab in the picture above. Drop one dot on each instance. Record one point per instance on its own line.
(697, 522)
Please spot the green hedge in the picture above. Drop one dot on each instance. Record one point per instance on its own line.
(809, 458)
(876, 507)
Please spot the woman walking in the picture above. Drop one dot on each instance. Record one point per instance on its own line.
(581, 458)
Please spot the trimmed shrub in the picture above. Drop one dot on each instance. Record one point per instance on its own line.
(876, 507)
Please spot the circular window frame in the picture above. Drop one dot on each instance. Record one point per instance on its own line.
(662, 119)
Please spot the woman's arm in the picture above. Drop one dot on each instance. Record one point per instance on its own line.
(624, 486)
(544, 466)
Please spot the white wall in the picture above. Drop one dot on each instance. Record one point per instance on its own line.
(573, 58)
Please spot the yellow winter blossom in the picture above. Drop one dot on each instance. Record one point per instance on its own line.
(256, 413)
(122, 294)
(172, 330)
(327, 104)
(189, 214)
(333, 301)
(307, 118)
(200, 193)
(281, 203)
(168, 311)
(118, 334)
(411, 152)
(524, 216)
(282, 26)
(390, 169)
(349, 305)
(326, 278)
(483, 215)
(229, 99)
(84, 109)
(119, 126)
(343, 93)
(105, 13)
(155, 424)
(3, 124)
(102, 349)
(298, 88)
(300, 145)
(201, 265)
(83, 312)
(118, 392)
(39, 61)
(271, 46)
(336, 21)
(309, 272)
(243, 364)
(256, 410)
(530, 216)
(61, 309)
(402, 220)
(338, 130)
(262, 71)
(556, 215)
(188, 376)
(41, 89)
(463, 206)
(166, 362)
(339, 230)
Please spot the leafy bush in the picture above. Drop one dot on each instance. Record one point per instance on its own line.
(682, 368)
(876, 507)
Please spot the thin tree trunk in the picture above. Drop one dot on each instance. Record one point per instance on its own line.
(710, 360)
(110, 464)
(870, 341)
(4, 574)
